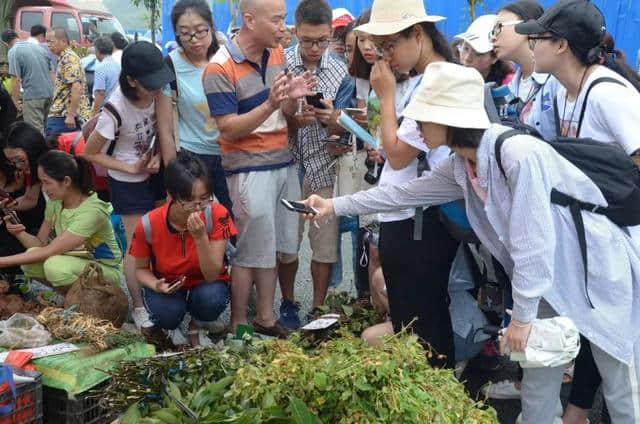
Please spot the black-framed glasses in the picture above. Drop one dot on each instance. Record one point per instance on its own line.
(497, 28)
(198, 35)
(195, 205)
(308, 44)
(534, 40)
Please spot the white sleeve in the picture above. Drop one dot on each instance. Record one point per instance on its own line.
(106, 125)
(409, 133)
(618, 109)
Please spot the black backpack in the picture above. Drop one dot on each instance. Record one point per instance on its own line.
(609, 167)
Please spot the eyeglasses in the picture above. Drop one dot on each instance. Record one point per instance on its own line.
(198, 35)
(533, 41)
(497, 29)
(195, 205)
(387, 47)
(308, 44)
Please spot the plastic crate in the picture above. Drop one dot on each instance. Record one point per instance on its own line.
(28, 408)
(83, 408)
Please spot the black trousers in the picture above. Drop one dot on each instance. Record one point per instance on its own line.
(586, 380)
(416, 273)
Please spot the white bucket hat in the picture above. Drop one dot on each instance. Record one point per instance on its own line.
(477, 35)
(392, 16)
(451, 95)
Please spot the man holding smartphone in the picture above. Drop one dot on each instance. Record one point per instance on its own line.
(308, 131)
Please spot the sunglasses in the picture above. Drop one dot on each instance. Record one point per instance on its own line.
(497, 29)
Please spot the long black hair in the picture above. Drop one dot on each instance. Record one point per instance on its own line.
(201, 8)
(182, 172)
(58, 165)
(22, 135)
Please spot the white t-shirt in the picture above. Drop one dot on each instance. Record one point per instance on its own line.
(135, 134)
(409, 133)
(117, 56)
(612, 114)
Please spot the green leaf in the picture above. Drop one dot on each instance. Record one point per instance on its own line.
(348, 310)
(300, 412)
(132, 416)
(174, 390)
(320, 380)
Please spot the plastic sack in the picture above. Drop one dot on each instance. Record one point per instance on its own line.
(22, 331)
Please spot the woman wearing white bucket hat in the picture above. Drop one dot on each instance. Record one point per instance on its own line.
(476, 51)
(533, 239)
(416, 258)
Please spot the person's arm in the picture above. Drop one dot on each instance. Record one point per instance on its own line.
(28, 200)
(143, 273)
(74, 102)
(61, 244)
(15, 92)
(27, 240)
(233, 127)
(433, 188)
(164, 113)
(210, 252)
(98, 99)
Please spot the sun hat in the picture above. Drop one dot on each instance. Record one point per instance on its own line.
(477, 35)
(341, 17)
(451, 95)
(392, 16)
(144, 62)
(579, 21)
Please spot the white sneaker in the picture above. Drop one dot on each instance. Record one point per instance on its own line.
(177, 338)
(460, 366)
(505, 389)
(141, 318)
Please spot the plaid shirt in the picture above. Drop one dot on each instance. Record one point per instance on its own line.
(309, 151)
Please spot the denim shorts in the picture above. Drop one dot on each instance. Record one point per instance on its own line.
(136, 198)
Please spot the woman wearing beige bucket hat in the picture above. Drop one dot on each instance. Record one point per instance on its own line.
(416, 257)
(532, 238)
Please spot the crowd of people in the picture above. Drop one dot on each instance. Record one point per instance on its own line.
(196, 150)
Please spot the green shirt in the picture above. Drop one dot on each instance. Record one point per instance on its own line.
(91, 220)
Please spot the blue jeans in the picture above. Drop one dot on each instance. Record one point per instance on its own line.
(204, 302)
(56, 125)
(218, 179)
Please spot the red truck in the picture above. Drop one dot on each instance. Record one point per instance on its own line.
(83, 26)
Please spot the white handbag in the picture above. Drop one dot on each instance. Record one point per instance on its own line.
(350, 171)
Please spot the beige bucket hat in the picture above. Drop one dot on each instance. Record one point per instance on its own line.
(451, 95)
(392, 16)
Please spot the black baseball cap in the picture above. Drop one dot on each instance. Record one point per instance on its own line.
(578, 21)
(143, 61)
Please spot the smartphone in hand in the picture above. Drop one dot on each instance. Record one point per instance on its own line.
(13, 216)
(298, 207)
(315, 101)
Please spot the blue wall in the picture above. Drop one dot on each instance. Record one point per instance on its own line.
(622, 17)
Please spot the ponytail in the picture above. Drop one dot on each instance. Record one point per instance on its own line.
(58, 165)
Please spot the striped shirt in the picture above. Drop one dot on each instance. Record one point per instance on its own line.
(307, 147)
(234, 85)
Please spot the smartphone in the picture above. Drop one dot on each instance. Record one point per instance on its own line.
(297, 207)
(176, 284)
(315, 100)
(339, 141)
(356, 111)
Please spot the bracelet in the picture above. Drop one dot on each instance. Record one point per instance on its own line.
(520, 324)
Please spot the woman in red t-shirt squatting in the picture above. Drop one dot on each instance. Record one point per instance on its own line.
(183, 268)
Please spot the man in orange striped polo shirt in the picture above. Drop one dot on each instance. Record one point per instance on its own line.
(250, 94)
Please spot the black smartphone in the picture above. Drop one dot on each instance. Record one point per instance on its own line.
(315, 100)
(298, 207)
(338, 141)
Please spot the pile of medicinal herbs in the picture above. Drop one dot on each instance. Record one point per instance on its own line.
(340, 380)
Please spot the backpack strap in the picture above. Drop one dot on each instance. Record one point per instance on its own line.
(174, 102)
(586, 96)
(423, 165)
(498, 148)
(556, 117)
(108, 106)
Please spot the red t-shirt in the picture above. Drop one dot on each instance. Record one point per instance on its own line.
(174, 253)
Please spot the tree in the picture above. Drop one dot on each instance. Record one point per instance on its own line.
(472, 8)
(154, 9)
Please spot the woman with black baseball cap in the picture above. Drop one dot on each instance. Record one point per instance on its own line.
(595, 102)
(123, 142)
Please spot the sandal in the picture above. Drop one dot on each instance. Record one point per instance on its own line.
(276, 330)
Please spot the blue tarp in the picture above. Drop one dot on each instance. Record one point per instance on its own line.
(622, 17)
